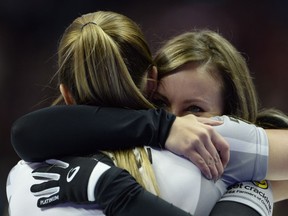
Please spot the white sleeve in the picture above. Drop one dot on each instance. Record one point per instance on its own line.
(248, 150)
(257, 195)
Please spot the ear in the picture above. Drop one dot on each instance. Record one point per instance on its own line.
(152, 81)
(69, 100)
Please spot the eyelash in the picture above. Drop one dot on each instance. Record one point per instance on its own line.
(199, 109)
(191, 109)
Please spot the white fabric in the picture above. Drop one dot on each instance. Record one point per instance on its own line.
(180, 182)
(99, 169)
(255, 194)
(22, 202)
(183, 184)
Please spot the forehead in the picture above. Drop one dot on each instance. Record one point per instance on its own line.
(192, 83)
(192, 75)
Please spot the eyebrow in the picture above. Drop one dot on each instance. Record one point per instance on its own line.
(195, 100)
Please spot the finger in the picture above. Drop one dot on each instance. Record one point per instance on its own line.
(223, 148)
(42, 166)
(58, 163)
(212, 159)
(50, 191)
(45, 176)
(48, 169)
(198, 160)
(209, 121)
(219, 165)
(204, 152)
(45, 188)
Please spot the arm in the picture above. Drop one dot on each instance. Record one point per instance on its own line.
(228, 208)
(278, 154)
(98, 181)
(269, 146)
(246, 198)
(280, 190)
(122, 195)
(67, 130)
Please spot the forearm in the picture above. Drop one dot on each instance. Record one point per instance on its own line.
(228, 208)
(246, 198)
(69, 130)
(120, 195)
(97, 180)
(278, 154)
(280, 190)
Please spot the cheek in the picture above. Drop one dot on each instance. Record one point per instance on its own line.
(221, 105)
(217, 102)
(218, 109)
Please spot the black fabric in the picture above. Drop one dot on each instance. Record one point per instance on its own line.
(229, 208)
(60, 131)
(119, 194)
(78, 169)
(116, 192)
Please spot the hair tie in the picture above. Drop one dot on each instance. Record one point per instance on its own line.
(88, 24)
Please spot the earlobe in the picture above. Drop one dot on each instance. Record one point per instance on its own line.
(69, 100)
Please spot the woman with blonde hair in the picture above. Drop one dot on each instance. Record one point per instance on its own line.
(195, 206)
(103, 62)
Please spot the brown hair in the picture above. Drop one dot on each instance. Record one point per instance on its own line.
(206, 47)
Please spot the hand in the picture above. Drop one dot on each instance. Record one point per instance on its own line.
(199, 143)
(70, 179)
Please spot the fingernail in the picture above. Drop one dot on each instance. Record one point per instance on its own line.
(218, 177)
(209, 176)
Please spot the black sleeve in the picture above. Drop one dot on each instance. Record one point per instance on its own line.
(59, 131)
(228, 208)
(119, 194)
